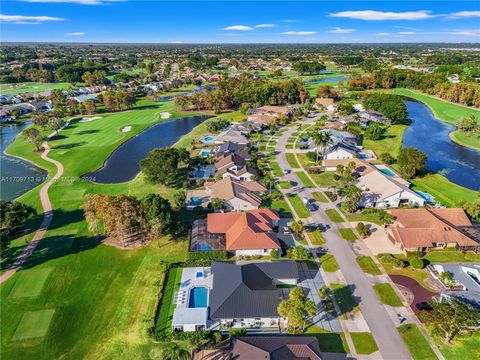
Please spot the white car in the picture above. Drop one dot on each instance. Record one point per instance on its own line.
(286, 172)
(286, 230)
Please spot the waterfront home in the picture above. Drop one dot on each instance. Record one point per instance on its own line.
(241, 233)
(275, 348)
(261, 119)
(232, 135)
(235, 167)
(41, 105)
(340, 151)
(237, 195)
(341, 137)
(230, 295)
(422, 229)
(229, 147)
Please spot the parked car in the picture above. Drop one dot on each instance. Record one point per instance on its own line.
(286, 230)
(424, 305)
(286, 172)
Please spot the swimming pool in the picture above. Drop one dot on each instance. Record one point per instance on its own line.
(386, 171)
(426, 196)
(205, 153)
(195, 201)
(208, 139)
(203, 246)
(198, 297)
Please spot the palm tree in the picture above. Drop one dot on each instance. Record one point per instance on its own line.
(297, 226)
(172, 351)
(321, 139)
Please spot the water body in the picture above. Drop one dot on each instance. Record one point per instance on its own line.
(459, 164)
(124, 163)
(324, 80)
(17, 176)
(197, 89)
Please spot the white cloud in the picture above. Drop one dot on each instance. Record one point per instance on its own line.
(238, 28)
(290, 21)
(23, 20)
(383, 34)
(464, 14)
(473, 32)
(176, 42)
(338, 30)
(381, 15)
(406, 33)
(76, 33)
(265, 26)
(299, 33)
(83, 2)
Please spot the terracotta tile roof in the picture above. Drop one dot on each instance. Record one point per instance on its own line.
(425, 227)
(244, 231)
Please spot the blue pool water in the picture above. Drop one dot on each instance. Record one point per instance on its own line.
(208, 139)
(198, 297)
(202, 246)
(205, 153)
(426, 196)
(195, 201)
(386, 172)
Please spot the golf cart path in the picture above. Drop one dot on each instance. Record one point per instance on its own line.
(47, 214)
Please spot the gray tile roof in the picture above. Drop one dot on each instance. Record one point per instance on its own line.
(276, 347)
(247, 291)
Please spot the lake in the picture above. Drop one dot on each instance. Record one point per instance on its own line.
(124, 163)
(459, 164)
(17, 175)
(324, 80)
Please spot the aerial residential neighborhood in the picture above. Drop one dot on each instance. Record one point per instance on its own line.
(240, 180)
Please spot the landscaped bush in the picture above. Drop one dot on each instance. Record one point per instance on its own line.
(363, 230)
(383, 216)
(331, 195)
(316, 170)
(274, 254)
(392, 260)
(237, 332)
(387, 158)
(299, 253)
(417, 263)
(205, 258)
(216, 337)
(194, 337)
(217, 124)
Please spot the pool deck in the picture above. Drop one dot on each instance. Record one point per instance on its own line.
(189, 281)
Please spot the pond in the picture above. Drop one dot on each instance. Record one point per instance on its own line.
(124, 163)
(459, 164)
(324, 80)
(17, 176)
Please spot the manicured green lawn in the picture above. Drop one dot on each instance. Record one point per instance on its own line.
(416, 343)
(30, 87)
(387, 295)
(298, 206)
(371, 217)
(348, 234)
(364, 342)
(276, 169)
(316, 237)
(463, 347)
(292, 161)
(285, 184)
(328, 263)
(324, 179)
(30, 283)
(334, 215)
(282, 207)
(319, 197)
(420, 275)
(444, 191)
(368, 265)
(305, 160)
(167, 305)
(390, 143)
(344, 298)
(452, 256)
(34, 324)
(470, 140)
(304, 179)
(328, 341)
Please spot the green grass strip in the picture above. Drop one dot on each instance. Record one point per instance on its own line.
(328, 263)
(305, 179)
(292, 161)
(364, 342)
(348, 234)
(387, 295)
(334, 215)
(298, 206)
(416, 343)
(368, 266)
(319, 197)
(276, 169)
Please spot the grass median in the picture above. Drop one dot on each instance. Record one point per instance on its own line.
(298, 206)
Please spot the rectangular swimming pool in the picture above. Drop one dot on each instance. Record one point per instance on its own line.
(198, 297)
(386, 171)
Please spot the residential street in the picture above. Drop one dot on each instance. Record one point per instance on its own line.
(382, 327)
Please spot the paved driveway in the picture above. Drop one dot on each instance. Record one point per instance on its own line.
(383, 329)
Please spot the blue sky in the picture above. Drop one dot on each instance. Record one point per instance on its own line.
(240, 22)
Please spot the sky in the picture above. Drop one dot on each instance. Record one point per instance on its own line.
(136, 21)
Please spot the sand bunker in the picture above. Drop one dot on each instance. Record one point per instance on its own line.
(126, 128)
(90, 119)
(165, 115)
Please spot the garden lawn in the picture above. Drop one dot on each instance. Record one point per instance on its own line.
(387, 295)
(284, 184)
(328, 263)
(292, 161)
(319, 197)
(316, 237)
(328, 341)
(30, 87)
(298, 206)
(416, 343)
(451, 256)
(324, 179)
(420, 275)
(344, 298)
(277, 172)
(348, 234)
(282, 207)
(334, 215)
(368, 266)
(364, 342)
(371, 217)
(444, 191)
(391, 141)
(167, 304)
(463, 347)
(304, 179)
(305, 160)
